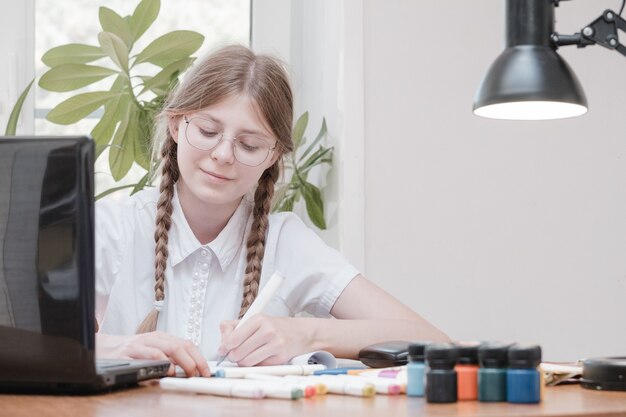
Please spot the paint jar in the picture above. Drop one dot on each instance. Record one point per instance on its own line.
(493, 360)
(467, 370)
(441, 376)
(523, 381)
(415, 370)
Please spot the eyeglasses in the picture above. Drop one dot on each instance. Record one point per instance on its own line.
(205, 135)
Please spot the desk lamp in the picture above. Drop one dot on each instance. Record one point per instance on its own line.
(529, 80)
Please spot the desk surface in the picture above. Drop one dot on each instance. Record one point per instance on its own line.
(149, 400)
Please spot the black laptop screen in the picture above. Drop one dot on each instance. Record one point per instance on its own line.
(46, 252)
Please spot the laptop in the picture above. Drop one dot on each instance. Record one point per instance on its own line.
(47, 272)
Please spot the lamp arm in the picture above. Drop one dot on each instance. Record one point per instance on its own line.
(602, 31)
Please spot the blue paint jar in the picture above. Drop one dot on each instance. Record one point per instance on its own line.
(441, 384)
(415, 370)
(523, 382)
(493, 360)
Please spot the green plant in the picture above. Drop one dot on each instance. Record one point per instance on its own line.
(17, 109)
(133, 98)
(298, 166)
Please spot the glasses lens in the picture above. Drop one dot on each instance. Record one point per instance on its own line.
(251, 150)
(202, 134)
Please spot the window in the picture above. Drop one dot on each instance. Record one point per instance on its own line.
(76, 21)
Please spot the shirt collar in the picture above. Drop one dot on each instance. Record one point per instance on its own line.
(182, 241)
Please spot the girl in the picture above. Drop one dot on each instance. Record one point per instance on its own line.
(176, 266)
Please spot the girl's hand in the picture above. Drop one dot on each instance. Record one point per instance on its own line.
(264, 340)
(154, 345)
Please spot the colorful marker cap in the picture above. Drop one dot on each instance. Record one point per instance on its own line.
(524, 356)
(441, 355)
(493, 355)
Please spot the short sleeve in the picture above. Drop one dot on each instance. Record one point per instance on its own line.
(315, 273)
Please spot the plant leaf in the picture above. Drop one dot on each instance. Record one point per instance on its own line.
(141, 184)
(76, 108)
(122, 151)
(17, 109)
(112, 190)
(314, 159)
(171, 47)
(288, 203)
(298, 130)
(314, 204)
(115, 48)
(104, 129)
(142, 18)
(320, 135)
(141, 138)
(70, 77)
(114, 23)
(72, 53)
(163, 80)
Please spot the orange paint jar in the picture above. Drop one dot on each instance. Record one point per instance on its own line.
(467, 370)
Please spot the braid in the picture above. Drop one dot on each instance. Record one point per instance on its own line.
(256, 241)
(163, 222)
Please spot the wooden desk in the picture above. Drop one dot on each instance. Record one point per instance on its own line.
(150, 401)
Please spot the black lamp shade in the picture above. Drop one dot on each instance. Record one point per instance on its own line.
(530, 82)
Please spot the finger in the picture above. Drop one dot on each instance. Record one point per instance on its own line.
(146, 352)
(265, 354)
(258, 339)
(191, 360)
(227, 326)
(202, 366)
(178, 350)
(242, 333)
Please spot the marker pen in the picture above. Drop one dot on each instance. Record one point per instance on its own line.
(336, 371)
(222, 387)
(416, 369)
(280, 370)
(259, 303)
(523, 383)
(441, 383)
(386, 386)
(320, 387)
(467, 370)
(493, 359)
(391, 372)
(308, 390)
(337, 385)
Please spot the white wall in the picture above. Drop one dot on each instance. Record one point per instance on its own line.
(493, 229)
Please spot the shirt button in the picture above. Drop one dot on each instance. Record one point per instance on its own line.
(204, 266)
(204, 252)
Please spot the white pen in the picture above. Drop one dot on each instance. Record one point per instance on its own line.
(308, 390)
(341, 385)
(259, 303)
(280, 370)
(214, 386)
(386, 386)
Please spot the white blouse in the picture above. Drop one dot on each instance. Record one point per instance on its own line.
(204, 283)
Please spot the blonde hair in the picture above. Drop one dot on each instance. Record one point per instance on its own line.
(230, 71)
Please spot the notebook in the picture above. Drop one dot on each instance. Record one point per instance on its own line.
(47, 273)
